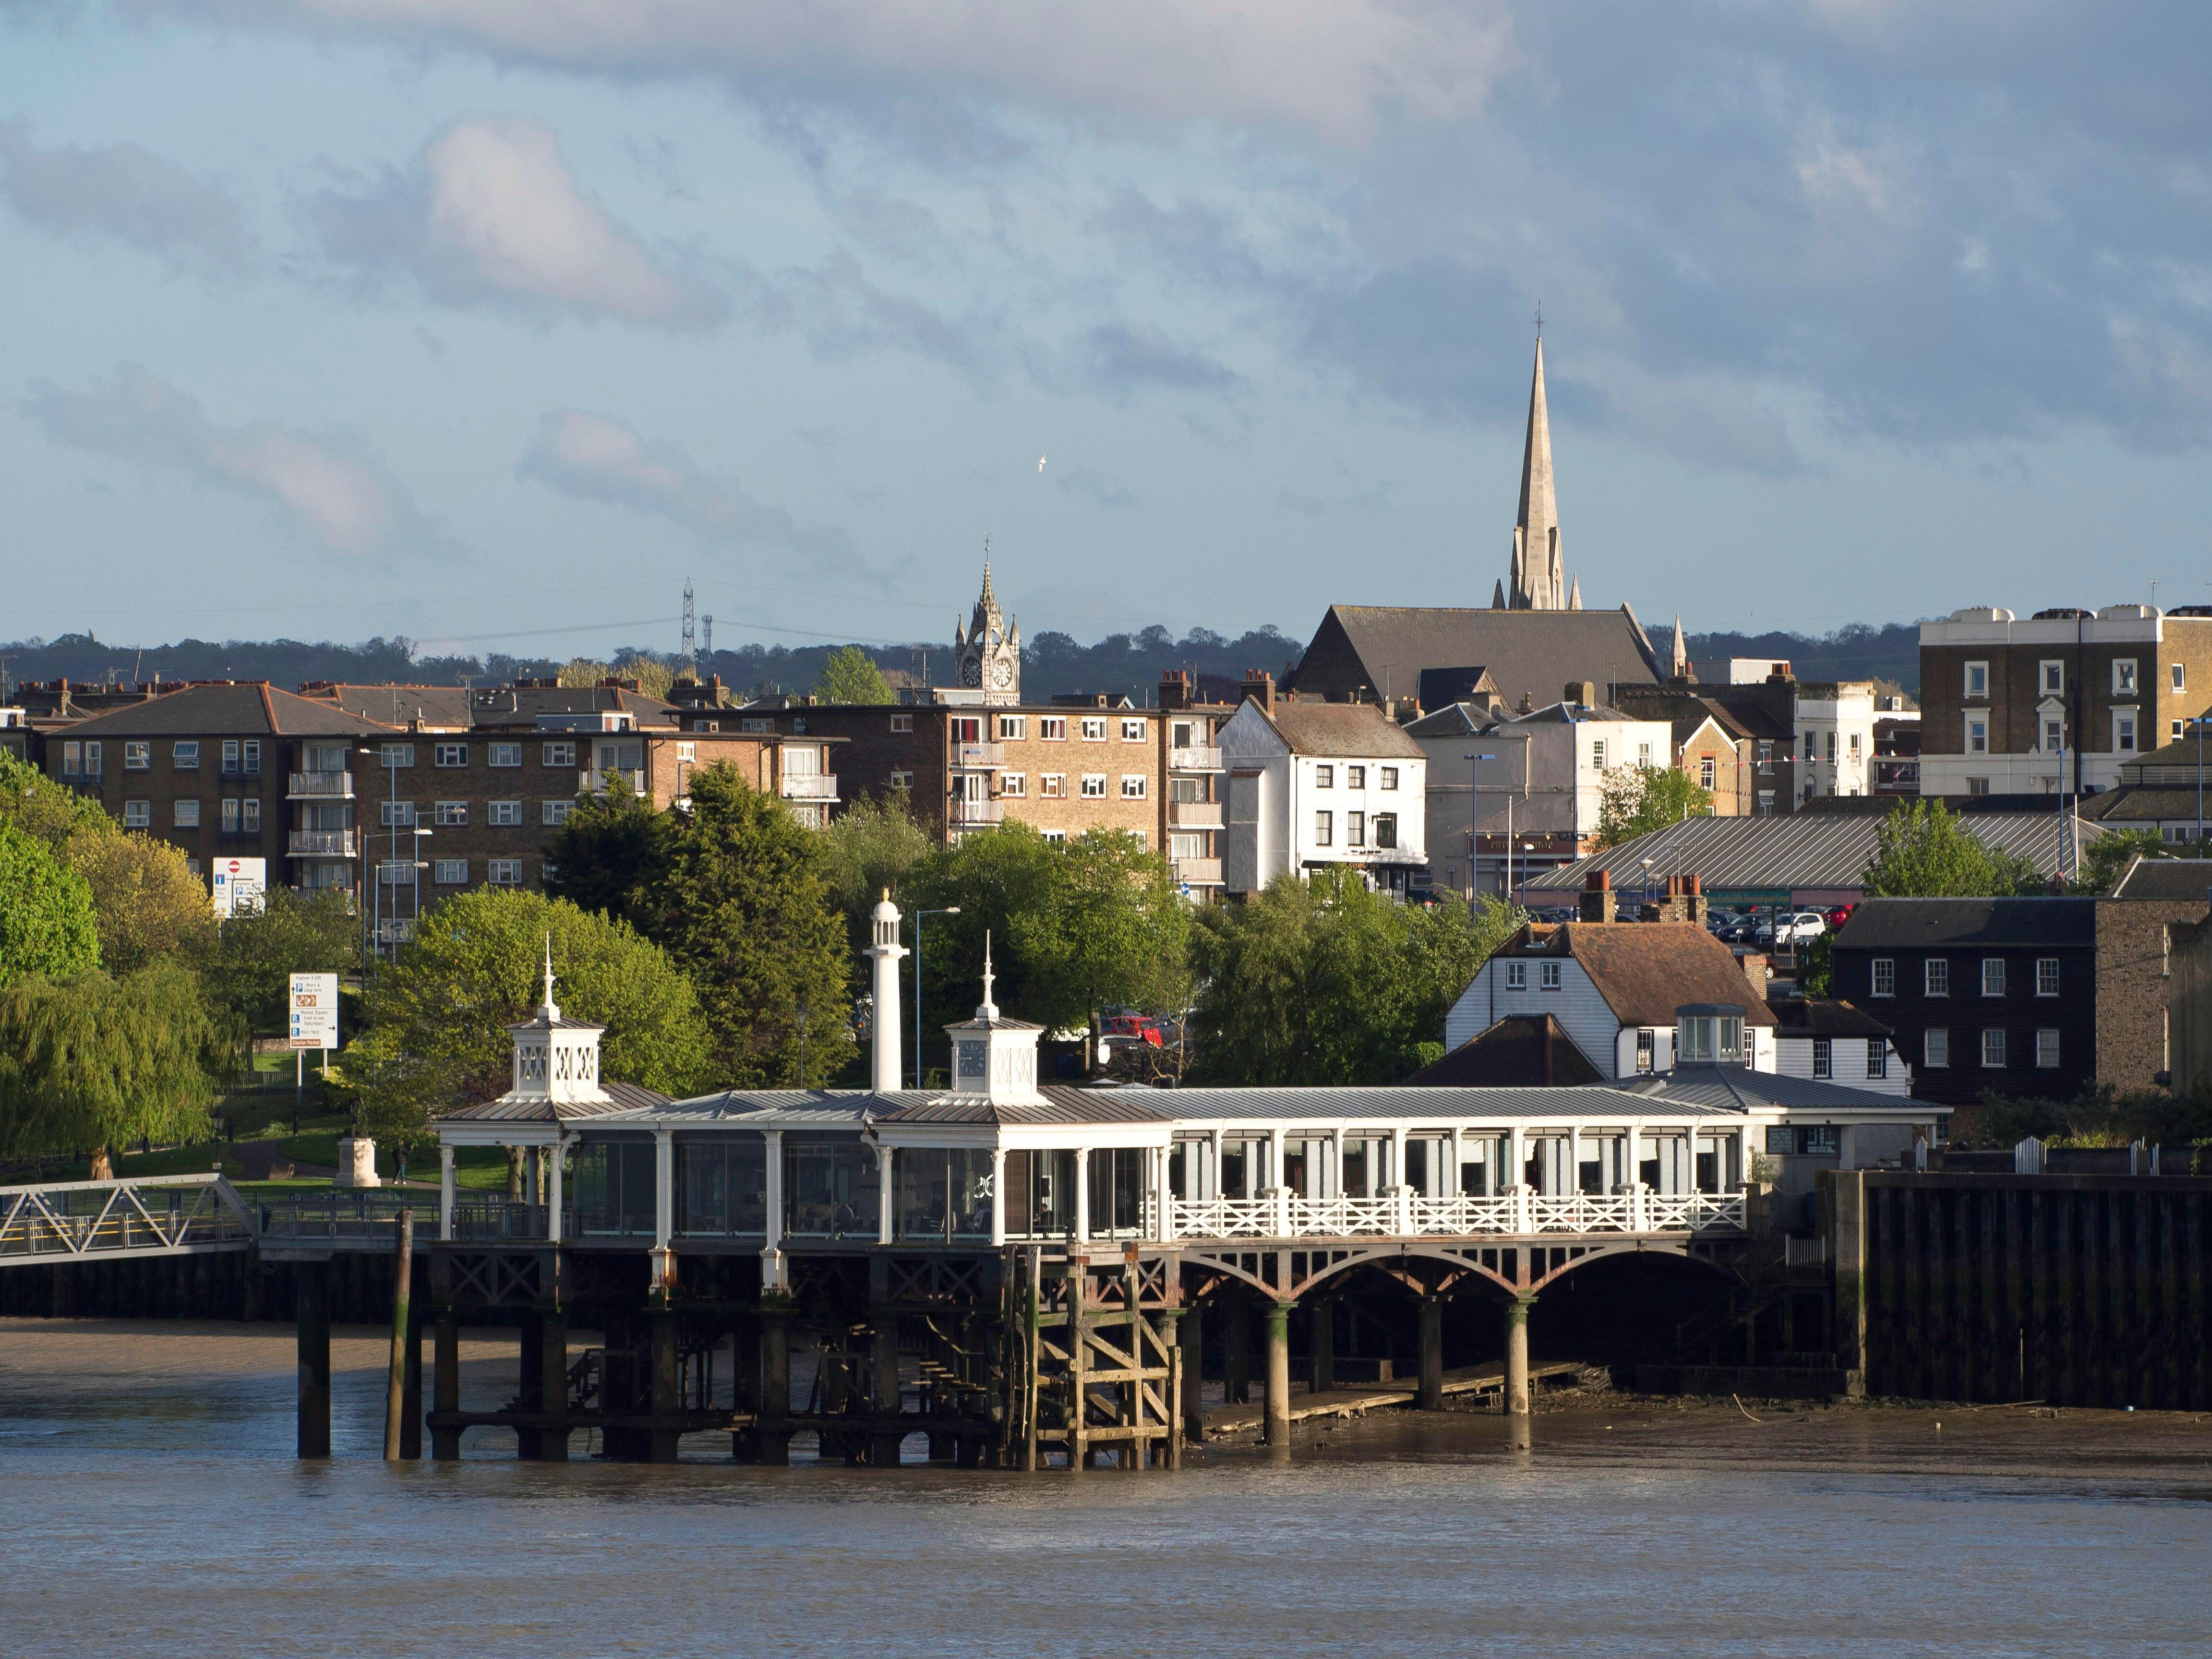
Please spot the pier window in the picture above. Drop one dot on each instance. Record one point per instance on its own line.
(614, 1185)
(1662, 1163)
(722, 1186)
(1243, 1169)
(941, 1193)
(1117, 1190)
(1040, 1194)
(829, 1189)
(1479, 1167)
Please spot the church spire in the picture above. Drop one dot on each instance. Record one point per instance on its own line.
(1539, 580)
(1681, 662)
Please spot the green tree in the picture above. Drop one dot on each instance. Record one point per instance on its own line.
(851, 676)
(146, 902)
(247, 964)
(47, 925)
(1634, 801)
(744, 906)
(613, 849)
(439, 1012)
(2106, 857)
(1325, 982)
(874, 847)
(95, 1062)
(993, 876)
(35, 803)
(1109, 929)
(1923, 850)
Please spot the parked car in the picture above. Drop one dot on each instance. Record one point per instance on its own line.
(1840, 915)
(1717, 923)
(1797, 928)
(1130, 1027)
(1739, 930)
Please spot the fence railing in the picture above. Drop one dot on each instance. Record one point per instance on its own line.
(1402, 1213)
(166, 1215)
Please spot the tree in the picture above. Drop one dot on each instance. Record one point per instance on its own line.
(1923, 850)
(96, 1061)
(655, 678)
(993, 877)
(1637, 799)
(612, 850)
(146, 902)
(246, 965)
(874, 847)
(2106, 857)
(438, 1015)
(35, 802)
(851, 676)
(744, 907)
(48, 924)
(1325, 982)
(1110, 929)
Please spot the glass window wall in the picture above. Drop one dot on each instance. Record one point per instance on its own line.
(942, 1193)
(1040, 1194)
(613, 1182)
(829, 1189)
(721, 1186)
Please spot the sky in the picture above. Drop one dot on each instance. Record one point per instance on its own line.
(491, 322)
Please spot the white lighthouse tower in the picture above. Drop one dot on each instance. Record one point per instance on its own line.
(884, 951)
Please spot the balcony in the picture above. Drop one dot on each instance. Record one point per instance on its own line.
(1194, 815)
(1195, 760)
(823, 785)
(595, 782)
(1198, 872)
(978, 756)
(976, 814)
(321, 786)
(322, 844)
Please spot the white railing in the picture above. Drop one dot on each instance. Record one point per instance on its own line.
(1195, 759)
(596, 783)
(1199, 873)
(977, 757)
(311, 785)
(821, 785)
(1403, 1214)
(322, 843)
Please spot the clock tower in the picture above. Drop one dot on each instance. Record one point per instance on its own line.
(989, 650)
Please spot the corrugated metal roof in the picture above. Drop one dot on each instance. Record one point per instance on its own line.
(1058, 1104)
(1436, 1105)
(621, 1097)
(1800, 850)
(1732, 1089)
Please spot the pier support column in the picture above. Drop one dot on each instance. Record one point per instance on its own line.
(772, 1440)
(745, 1386)
(1324, 1344)
(1847, 1249)
(667, 1390)
(312, 1312)
(1429, 1396)
(884, 1391)
(403, 1328)
(1278, 1377)
(410, 1389)
(1236, 1347)
(553, 1368)
(1192, 1339)
(446, 1385)
(1517, 1355)
(530, 1368)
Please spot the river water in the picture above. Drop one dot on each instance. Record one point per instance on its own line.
(152, 1505)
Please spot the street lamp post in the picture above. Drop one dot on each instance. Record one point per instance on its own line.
(1474, 825)
(1647, 881)
(949, 910)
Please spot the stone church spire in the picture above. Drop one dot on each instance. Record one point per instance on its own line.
(1539, 575)
(988, 651)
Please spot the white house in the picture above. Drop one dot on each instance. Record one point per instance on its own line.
(1315, 786)
(1835, 738)
(1835, 1041)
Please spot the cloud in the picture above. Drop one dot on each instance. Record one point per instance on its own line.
(841, 315)
(491, 214)
(1123, 356)
(1102, 491)
(328, 486)
(1331, 67)
(124, 193)
(596, 457)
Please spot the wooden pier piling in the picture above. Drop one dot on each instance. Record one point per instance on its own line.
(1430, 1396)
(1517, 1355)
(311, 1292)
(396, 1415)
(1279, 1376)
(445, 1386)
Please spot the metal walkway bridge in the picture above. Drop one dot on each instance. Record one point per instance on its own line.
(138, 1219)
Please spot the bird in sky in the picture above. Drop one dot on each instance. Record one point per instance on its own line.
(1040, 463)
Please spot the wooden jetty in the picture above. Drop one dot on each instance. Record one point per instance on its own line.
(1228, 1422)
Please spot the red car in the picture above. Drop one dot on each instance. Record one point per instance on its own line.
(1130, 1027)
(1840, 915)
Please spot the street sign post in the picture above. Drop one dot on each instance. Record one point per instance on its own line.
(236, 886)
(314, 1025)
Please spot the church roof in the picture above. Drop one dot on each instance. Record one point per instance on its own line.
(1384, 648)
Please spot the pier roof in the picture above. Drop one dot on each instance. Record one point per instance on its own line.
(1427, 1104)
(1734, 1088)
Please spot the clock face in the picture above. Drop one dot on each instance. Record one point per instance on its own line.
(971, 672)
(1002, 673)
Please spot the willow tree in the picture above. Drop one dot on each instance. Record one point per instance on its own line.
(48, 927)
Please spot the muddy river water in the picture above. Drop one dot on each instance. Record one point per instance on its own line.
(149, 1502)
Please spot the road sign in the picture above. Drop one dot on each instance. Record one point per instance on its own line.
(314, 1011)
(236, 886)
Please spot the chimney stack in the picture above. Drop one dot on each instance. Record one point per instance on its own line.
(1175, 689)
(1259, 688)
(1581, 694)
(1598, 902)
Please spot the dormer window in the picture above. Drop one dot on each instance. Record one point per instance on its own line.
(1709, 1038)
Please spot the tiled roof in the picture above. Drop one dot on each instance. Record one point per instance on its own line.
(1913, 923)
(621, 1097)
(2175, 880)
(1527, 652)
(249, 709)
(1827, 1016)
(1355, 730)
(444, 706)
(1647, 970)
(1520, 1051)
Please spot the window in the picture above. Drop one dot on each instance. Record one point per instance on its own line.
(1548, 976)
(563, 754)
(1993, 976)
(1054, 837)
(1052, 785)
(1517, 975)
(2124, 733)
(1647, 1048)
(506, 754)
(252, 757)
(193, 865)
(503, 812)
(1014, 784)
(555, 812)
(1644, 756)
(1705, 773)
(1978, 786)
(2178, 726)
(184, 814)
(1765, 805)
(185, 755)
(899, 722)
(1324, 829)
(228, 816)
(1978, 737)
(1854, 746)
(449, 754)
(1094, 730)
(1389, 777)
(687, 753)
(1597, 753)
(1877, 1057)
(1051, 729)
(1133, 731)
(1812, 746)
(2123, 677)
(449, 872)
(451, 814)
(1884, 976)
(392, 755)
(1094, 786)
(232, 760)
(1324, 777)
(1978, 679)
(901, 780)
(1993, 1046)
(1013, 727)
(1938, 983)
(760, 727)
(2054, 734)
(2046, 976)
(396, 872)
(1132, 786)
(1386, 830)
(1936, 1048)
(137, 756)
(1824, 1064)
(1355, 828)
(1355, 777)
(503, 873)
(396, 814)
(252, 805)
(1766, 751)
(2051, 678)
(1831, 749)
(2046, 1047)
(2180, 678)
